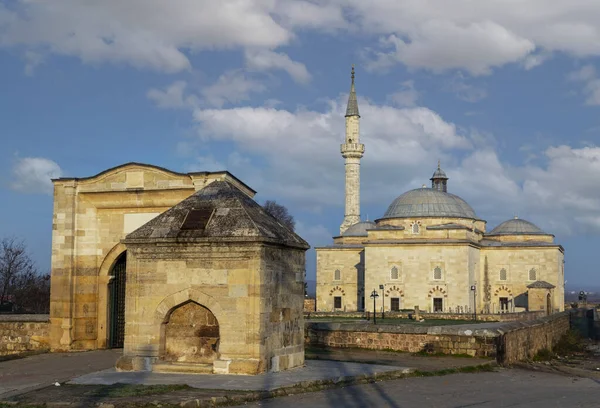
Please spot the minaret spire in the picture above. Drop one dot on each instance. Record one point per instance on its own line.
(352, 151)
(352, 108)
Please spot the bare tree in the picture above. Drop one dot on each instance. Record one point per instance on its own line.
(20, 279)
(281, 213)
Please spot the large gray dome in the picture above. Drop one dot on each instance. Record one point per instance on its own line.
(428, 202)
(517, 226)
(359, 229)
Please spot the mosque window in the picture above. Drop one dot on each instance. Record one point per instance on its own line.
(502, 274)
(437, 273)
(337, 275)
(532, 274)
(415, 228)
(394, 274)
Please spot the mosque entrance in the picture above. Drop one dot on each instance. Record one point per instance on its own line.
(116, 290)
(190, 334)
(503, 304)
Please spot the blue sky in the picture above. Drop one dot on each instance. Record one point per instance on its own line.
(507, 98)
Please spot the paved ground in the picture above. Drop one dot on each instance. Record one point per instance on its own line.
(504, 388)
(313, 371)
(18, 376)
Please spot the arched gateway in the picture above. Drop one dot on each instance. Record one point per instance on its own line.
(177, 269)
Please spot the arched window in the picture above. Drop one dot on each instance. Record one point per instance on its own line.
(502, 274)
(532, 274)
(394, 275)
(337, 275)
(437, 273)
(415, 228)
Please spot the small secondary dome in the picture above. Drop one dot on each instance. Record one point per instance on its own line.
(429, 202)
(359, 229)
(517, 226)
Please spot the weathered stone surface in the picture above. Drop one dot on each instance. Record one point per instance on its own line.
(24, 334)
(508, 342)
(91, 216)
(243, 266)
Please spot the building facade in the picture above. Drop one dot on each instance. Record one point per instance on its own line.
(431, 250)
(176, 269)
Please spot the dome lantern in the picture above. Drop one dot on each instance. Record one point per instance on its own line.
(439, 180)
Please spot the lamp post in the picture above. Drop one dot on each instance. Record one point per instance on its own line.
(374, 295)
(383, 301)
(474, 290)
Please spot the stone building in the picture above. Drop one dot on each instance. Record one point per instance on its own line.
(431, 250)
(185, 271)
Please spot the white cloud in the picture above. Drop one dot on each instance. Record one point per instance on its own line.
(407, 95)
(535, 60)
(171, 97)
(32, 60)
(34, 174)
(231, 87)
(465, 91)
(402, 147)
(441, 45)
(591, 89)
(143, 33)
(436, 35)
(441, 34)
(406, 140)
(263, 60)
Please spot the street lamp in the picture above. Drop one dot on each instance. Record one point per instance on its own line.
(383, 302)
(374, 295)
(474, 290)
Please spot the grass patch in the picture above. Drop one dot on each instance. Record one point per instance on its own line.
(484, 368)
(135, 390)
(571, 342)
(425, 353)
(543, 355)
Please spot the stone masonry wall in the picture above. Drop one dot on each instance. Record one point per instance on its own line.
(524, 340)
(24, 333)
(507, 342)
(492, 317)
(402, 338)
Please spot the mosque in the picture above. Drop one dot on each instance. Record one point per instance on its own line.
(431, 250)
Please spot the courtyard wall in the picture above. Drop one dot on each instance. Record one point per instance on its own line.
(508, 342)
(24, 333)
(489, 317)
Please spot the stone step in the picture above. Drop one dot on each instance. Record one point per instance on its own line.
(188, 368)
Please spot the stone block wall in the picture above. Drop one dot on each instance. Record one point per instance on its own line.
(24, 333)
(491, 317)
(521, 341)
(402, 338)
(310, 305)
(507, 342)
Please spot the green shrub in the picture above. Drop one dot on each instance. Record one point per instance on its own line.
(543, 355)
(570, 342)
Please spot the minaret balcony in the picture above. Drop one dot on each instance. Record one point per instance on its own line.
(352, 148)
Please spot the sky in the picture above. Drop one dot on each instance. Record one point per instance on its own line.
(505, 93)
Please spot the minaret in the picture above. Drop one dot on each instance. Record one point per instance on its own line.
(439, 180)
(352, 151)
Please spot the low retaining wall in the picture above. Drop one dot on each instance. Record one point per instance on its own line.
(24, 333)
(489, 317)
(507, 342)
(521, 341)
